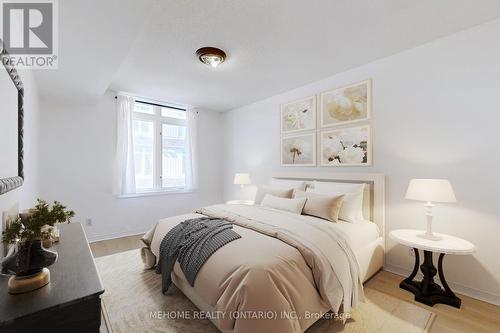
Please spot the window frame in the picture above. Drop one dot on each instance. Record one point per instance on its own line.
(158, 120)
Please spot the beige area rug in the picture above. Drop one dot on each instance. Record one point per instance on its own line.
(133, 293)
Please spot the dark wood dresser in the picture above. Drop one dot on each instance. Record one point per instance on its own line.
(71, 302)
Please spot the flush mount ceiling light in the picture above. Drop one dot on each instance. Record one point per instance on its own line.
(211, 56)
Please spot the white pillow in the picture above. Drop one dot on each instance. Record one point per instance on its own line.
(288, 205)
(352, 207)
(285, 183)
(276, 191)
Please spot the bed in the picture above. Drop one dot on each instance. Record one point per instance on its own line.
(287, 270)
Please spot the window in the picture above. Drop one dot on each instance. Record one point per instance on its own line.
(159, 139)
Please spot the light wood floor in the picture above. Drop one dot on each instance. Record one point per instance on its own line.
(473, 317)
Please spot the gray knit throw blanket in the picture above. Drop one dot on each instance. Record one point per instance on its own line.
(192, 242)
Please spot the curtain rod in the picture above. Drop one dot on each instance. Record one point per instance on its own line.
(160, 105)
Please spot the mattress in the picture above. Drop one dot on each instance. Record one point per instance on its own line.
(360, 233)
(367, 244)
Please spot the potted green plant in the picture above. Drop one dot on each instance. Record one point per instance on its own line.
(27, 257)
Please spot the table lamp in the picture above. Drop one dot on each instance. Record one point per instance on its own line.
(430, 190)
(242, 179)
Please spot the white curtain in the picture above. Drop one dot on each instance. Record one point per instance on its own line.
(124, 164)
(191, 151)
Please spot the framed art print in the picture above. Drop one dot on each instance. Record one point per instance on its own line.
(349, 146)
(298, 150)
(299, 115)
(346, 105)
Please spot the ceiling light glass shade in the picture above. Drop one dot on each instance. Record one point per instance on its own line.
(211, 56)
(211, 59)
(433, 190)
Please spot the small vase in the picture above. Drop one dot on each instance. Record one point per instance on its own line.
(28, 261)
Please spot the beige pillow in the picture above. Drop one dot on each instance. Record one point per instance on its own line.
(352, 207)
(288, 205)
(276, 191)
(323, 206)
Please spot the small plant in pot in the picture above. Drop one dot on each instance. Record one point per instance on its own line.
(27, 259)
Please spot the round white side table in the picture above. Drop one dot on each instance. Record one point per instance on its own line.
(427, 291)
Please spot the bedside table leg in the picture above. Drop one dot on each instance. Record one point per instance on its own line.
(427, 291)
(415, 267)
(429, 271)
(408, 283)
(451, 298)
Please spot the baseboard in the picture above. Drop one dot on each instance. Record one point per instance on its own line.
(115, 235)
(456, 287)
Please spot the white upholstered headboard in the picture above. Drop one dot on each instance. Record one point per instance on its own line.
(373, 198)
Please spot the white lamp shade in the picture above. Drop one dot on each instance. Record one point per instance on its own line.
(433, 190)
(242, 179)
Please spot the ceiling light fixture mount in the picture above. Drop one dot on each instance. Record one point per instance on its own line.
(211, 56)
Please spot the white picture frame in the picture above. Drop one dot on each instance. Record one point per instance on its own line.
(298, 116)
(347, 146)
(305, 150)
(346, 105)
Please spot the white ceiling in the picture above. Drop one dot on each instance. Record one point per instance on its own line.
(147, 47)
(95, 36)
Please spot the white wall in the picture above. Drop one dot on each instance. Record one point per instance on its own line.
(436, 114)
(25, 195)
(78, 143)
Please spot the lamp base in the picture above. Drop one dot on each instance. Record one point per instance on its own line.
(431, 237)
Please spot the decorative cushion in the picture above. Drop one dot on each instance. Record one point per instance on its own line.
(352, 206)
(320, 205)
(289, 205)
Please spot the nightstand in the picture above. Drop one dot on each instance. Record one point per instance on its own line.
(241, 202)
(427, 291)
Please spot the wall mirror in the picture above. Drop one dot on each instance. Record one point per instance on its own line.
(11, 125)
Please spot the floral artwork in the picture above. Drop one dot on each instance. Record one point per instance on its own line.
(298, 150)
(346, 147)
(299, 115)
(346, 105)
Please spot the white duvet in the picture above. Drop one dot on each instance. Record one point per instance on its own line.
(290, 261)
